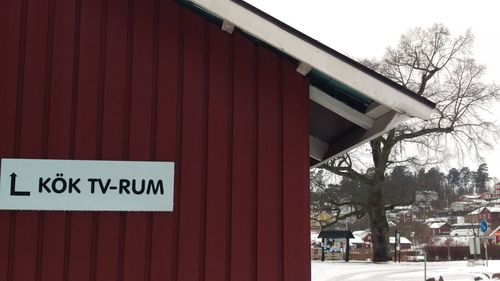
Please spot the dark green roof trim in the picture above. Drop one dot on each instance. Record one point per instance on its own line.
(339, 91)
(190, 6)
(334, 53)
(322, 81)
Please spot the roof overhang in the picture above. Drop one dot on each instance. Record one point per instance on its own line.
(349, 103)
(335, 234)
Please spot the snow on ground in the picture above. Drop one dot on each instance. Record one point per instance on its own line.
(404, 271)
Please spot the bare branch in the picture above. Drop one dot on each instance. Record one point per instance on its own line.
(342, 166)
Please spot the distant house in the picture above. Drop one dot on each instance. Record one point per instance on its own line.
(474, 215)
(430, 221)
(485, 195)
(439, 228)
(365, 236)
(495, 191)
(459, 206)
(404, 243)
(479, 198)
(490, 214)
(464, 229)
(469, 198)
(406, 216)
(447, 215)
(449, 241)
(357, 243)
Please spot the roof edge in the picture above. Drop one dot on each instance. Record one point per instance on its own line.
(333, 52)
(302, 48)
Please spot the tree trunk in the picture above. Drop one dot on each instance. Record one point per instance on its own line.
(379, 225)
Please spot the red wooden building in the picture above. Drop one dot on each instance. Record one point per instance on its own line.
(489, 214)
(240, 102)
(439, 228)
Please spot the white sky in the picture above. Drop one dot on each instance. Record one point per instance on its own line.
(365, 28)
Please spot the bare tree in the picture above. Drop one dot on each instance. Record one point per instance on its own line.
(439, 67)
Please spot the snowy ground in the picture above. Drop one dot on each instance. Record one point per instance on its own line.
(404, 271)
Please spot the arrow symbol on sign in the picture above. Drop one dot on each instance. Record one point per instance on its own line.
(13, 190)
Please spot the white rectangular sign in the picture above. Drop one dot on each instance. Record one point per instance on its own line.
(84, 185)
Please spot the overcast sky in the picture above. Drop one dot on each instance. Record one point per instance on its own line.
(364, 29)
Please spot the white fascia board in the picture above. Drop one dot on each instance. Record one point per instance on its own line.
(340, 108)
(377, 111)
(306, 52)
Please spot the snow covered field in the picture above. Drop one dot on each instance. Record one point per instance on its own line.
(404, 271)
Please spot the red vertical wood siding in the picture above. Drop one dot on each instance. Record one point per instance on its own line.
(218, 156)
(58, 119)
(152, 80)
(25, 260)
(244, 175)
(10, 60)
(295, 177)
(270, 171)
(87, 89)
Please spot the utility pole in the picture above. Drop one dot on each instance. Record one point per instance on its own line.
(395, 245)
(322, 249)
(425, 266)
(475, 250)
(486, 252)
(412, 234)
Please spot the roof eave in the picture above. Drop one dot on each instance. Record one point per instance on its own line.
(317, 56)
(391, 103)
